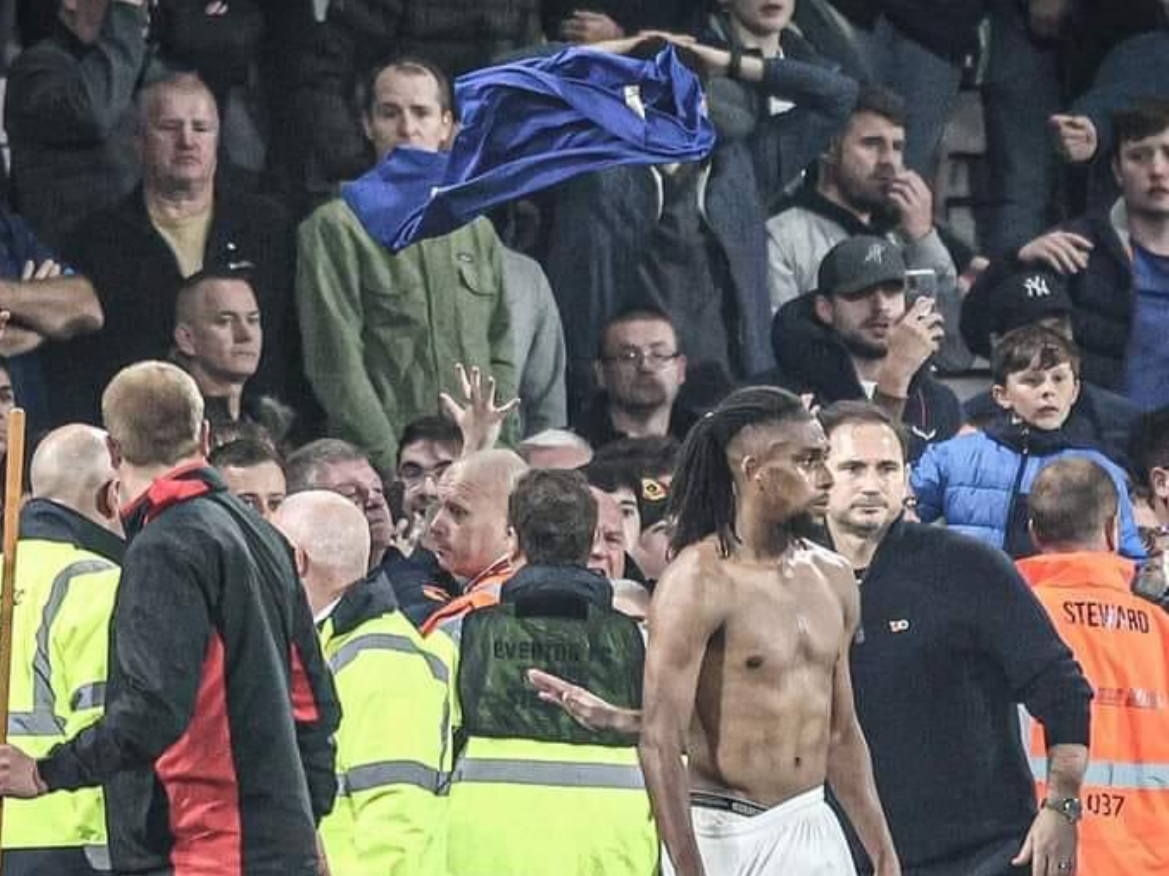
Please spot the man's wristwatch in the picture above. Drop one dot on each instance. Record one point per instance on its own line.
(1070, 808)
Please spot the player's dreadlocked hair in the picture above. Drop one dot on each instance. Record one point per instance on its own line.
(702, 495)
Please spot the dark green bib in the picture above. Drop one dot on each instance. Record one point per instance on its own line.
(597, 648)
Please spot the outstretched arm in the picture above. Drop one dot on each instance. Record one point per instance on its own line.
(583, 706)
(850, 769)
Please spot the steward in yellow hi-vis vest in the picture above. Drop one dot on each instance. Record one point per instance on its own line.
(533, 792)
(394, 744)
(67, 571)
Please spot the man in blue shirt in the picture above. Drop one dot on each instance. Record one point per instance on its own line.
(45, 302)
(1116, 265)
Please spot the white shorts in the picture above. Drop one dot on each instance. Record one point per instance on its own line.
(799, 837)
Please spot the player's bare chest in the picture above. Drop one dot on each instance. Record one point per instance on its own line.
(779, 622)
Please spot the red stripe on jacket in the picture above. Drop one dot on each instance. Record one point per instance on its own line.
(198, 775)
(304, 703)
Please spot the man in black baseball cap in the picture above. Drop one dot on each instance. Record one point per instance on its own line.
(1099, 417)
(855, 337)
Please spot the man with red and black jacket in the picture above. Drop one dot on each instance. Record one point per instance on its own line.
(215, 751)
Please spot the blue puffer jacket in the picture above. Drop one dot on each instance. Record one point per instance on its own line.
(979, 484)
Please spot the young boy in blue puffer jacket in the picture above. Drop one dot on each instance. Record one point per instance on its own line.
(979, 482)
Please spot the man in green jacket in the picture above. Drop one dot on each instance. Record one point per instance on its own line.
(382, 330)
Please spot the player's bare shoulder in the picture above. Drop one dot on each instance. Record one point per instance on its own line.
(830, 563)
(835, 571)
(696, 579)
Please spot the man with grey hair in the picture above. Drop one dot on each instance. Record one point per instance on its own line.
(389, 815)
(68, 566)
(214, 749)
(340, 467)
(139, 251)
(1122, 643)
(330, 544)
(336, 465)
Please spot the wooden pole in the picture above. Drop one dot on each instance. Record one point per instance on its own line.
(13, 493)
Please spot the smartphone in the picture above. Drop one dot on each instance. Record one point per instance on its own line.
(920, 283)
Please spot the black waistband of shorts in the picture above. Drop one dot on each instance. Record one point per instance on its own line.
(714, 800)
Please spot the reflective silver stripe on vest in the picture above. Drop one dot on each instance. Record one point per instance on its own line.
(454, 629)
(98, 857)
(1110, 774)
(88, 696)
(34, 724)
(43, 719)
(548, 773)
(389, 772)
(385, 642)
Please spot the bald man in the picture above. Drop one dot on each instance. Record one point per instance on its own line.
(389, 816)
(68, 567)
(470, 535)
(331, 543)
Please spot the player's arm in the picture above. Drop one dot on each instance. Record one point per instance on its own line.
(584, 706)
(850, 770)
(686, 612)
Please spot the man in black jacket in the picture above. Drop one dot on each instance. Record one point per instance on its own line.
(138, 253)
(951, 639)
(689, 240)
(855, 338)
(69, 112)
(214, 750)
(1115, 264)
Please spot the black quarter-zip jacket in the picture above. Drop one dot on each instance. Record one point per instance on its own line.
(214, 751)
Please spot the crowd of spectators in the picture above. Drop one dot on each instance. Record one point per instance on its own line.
(174, 194)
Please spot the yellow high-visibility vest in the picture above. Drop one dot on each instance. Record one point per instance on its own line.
(528, 808)
(532, 793)
(60, 652)
(394, 750)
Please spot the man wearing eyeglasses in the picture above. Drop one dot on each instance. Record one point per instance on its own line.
(429, 445)
(639, 371)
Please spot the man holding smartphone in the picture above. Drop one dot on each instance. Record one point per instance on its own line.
(863, 187)
(858, 336)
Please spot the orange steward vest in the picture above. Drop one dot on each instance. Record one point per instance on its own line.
(1122, 643)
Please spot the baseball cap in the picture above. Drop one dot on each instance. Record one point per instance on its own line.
(1025, 297)
(858, 264)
